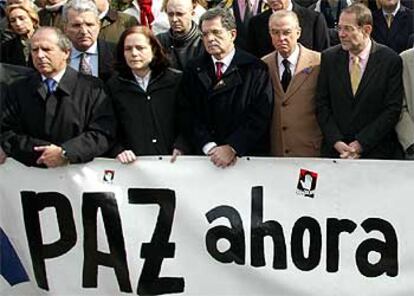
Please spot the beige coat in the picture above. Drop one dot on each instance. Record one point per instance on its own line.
(405, 127)
(295, 131)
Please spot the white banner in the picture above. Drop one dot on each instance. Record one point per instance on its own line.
(263, 227)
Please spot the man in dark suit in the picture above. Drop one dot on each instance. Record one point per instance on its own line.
(230, 95)
(89, 55)
(359, 92)
(56, 116)
(393, 24)
(314, 35)
(8, 75)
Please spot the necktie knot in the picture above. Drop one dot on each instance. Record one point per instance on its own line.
(51, 85)
(287, 75)
(286, 63)
(219, 70)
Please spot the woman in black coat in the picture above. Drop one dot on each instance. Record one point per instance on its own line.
(145, 98)
(22, 23)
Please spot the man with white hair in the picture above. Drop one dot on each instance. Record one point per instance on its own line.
(82, 25)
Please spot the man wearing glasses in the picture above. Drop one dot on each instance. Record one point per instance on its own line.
(359, 92)
(230, 95)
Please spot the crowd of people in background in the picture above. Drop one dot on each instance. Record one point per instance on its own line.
(222, 78)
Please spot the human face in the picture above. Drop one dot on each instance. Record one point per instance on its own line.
(278, 4)
(20, 22)
(353, 38)
(138, 53)
(285, 33)
(389, 5)
(180, 13)
(82, 29)
(48, 58)
(217, 40)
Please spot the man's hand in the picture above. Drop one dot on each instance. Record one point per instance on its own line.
(343, 149)
(126, 156)
(51, 156)
(357, 148)
(223, 156)
(3, 156)
(175, 154)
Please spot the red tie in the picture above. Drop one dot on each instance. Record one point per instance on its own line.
(219, 72)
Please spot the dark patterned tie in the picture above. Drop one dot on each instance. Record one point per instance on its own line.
(84, 66)
(51, 85)
(287, 75)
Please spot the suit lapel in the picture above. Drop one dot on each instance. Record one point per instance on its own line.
(370, 69)
(342, 72)
(398, 22)
(274, 73)
(302, 71)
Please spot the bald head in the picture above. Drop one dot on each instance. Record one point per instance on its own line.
(180, 14)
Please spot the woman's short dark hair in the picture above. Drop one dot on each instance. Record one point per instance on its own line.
(159, 62)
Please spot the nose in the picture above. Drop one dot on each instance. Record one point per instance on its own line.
(134, 52)
(83, 29)
(18, 22)
(39, 53)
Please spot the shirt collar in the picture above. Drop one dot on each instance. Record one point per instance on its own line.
(394, 12)
(227, 59)
(93, 50)
(364, 54)
(293, 58)
(145, 78)
(57, 77)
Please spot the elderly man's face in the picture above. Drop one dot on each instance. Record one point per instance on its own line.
(217, 40)
(180, 13)
(48, 58)
(285, 33)
(82, 29)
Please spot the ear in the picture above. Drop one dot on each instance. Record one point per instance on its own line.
(233, 34)
(367, 29)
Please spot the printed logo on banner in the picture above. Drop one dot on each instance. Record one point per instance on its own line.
(307, 183)
(109, 176)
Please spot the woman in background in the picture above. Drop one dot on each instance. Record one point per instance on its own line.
(22, 23)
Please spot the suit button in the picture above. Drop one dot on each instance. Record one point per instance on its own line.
(154, 141)
(149, 98)
(287, 151)
(284, 128)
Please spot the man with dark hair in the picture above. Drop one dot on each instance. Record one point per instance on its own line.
(314, 35)
(183, 41)
(82, 25)
(393, 24)
(359, 92)
(230, 95)
(56, 116)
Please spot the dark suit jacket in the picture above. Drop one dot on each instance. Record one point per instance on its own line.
(370, 116)
(12, 52)
(78, 117)
(51, 18)
(105, 60)
(235, 110)
(397, 36)
(314, 35)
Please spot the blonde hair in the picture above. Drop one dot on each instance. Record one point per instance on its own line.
(30, 10)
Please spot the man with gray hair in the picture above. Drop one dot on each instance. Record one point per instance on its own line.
(55, 116)
(229, 94)
(89, 55)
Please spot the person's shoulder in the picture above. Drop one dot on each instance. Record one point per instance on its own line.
(243, 58)
(383, 51)
(408, 55)
(261, 17)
